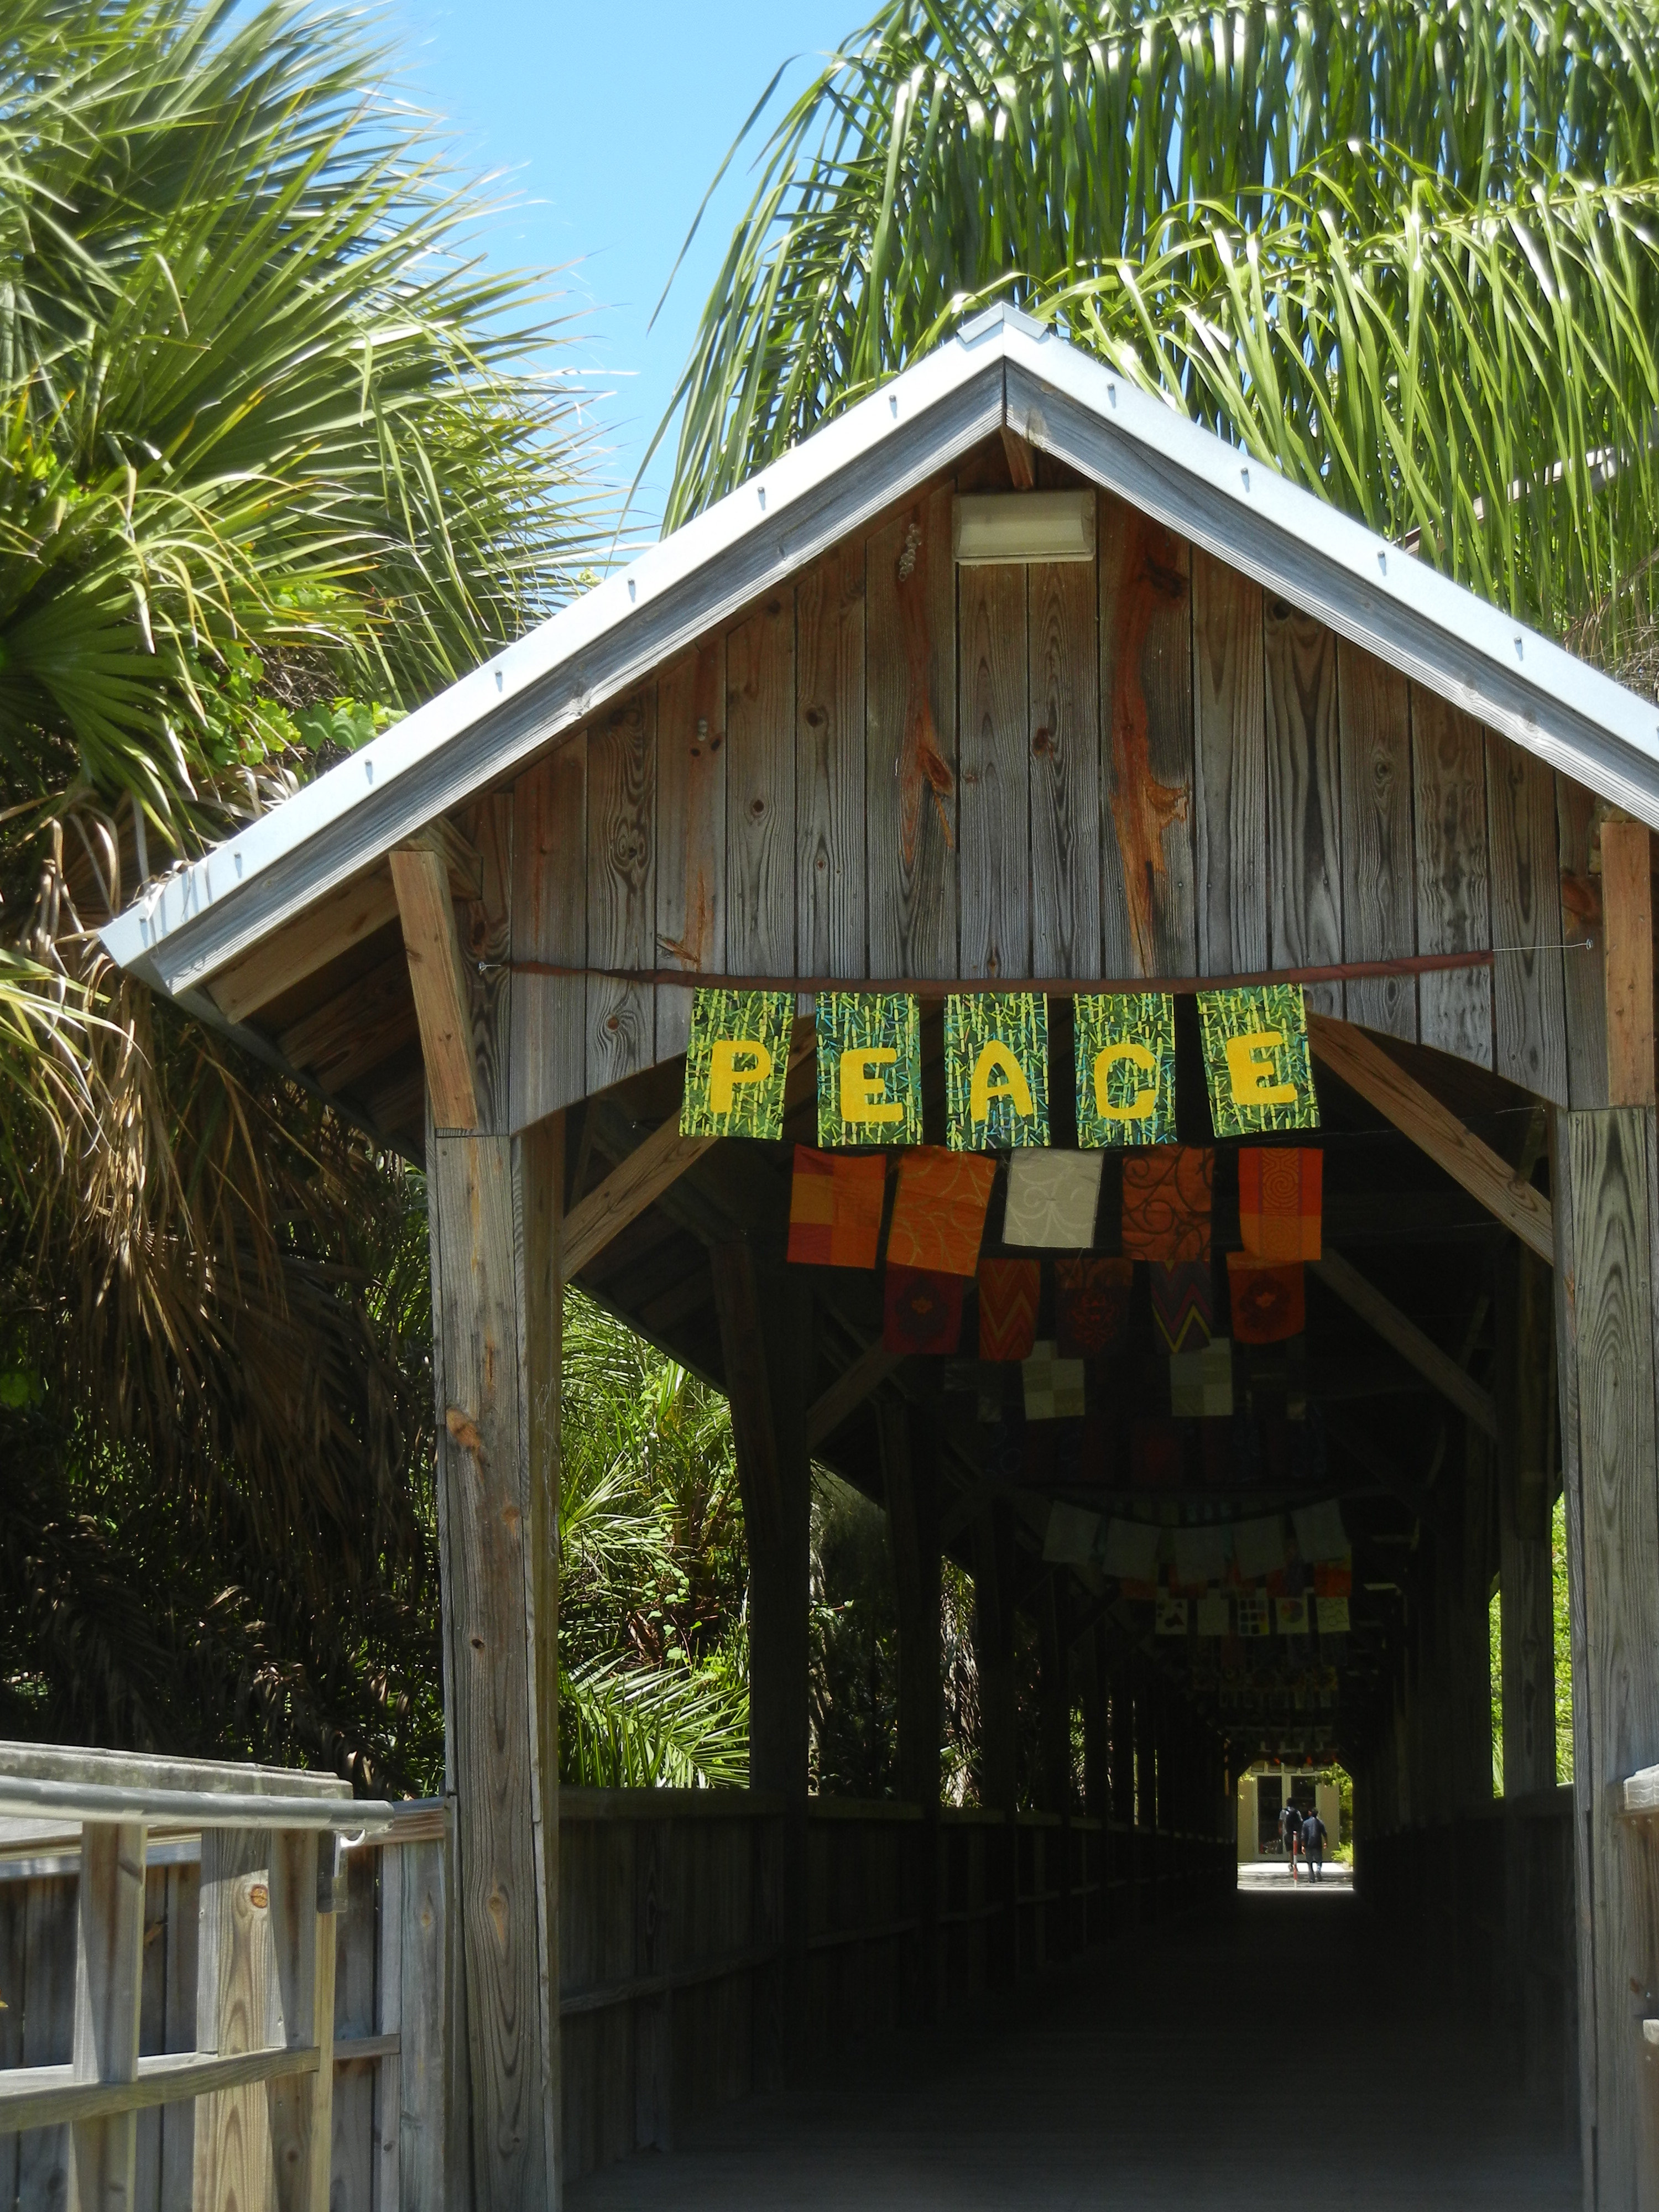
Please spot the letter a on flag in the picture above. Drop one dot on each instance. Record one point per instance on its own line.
(996, 1070)
(1257, 1059)
(736, 1062)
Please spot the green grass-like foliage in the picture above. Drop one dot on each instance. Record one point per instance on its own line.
(1145, 1019)
(855, 1021)
(721, 1018)
(1273, 1009)
(1018, 1021)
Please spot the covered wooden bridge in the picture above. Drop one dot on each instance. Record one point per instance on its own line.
(1010, 676)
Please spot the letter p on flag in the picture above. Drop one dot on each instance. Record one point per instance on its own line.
(732, 1060)
(737, 1061)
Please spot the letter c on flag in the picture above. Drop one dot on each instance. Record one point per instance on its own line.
(863, 1091)
(725, 1072)
(1250, 1071)
(1144, 1104)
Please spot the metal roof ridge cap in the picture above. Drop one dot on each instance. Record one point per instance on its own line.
(1254, 485)
(760, 501)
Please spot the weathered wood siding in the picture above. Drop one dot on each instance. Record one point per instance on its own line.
(1140, 765)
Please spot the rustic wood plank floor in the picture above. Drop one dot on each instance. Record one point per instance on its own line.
(1217, 2064)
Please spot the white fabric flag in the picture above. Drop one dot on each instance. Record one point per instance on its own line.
(1053, 1198)
(1069, 1539)
(1132, 1550)
(1319, 1531)
(1258, 1547)
(1199, 1556)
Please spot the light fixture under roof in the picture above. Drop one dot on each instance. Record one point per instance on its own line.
(993, 526)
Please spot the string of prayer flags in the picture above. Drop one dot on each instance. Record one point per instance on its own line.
(834, 1208)
(1091, 1305)
(939, 1214)
(1280, 1200)
(1131, 1550)
(1009, 1293)
(1333, 1616)
(1166, 1203)
(1052, 1199)
(1183, 1303)
(922, 1311)
(1213, 1614)
(1258, 1547)
(1201, 1382)
(869, 1068)
(1257, 1059)
(1171, 1619)
(1290, 1615)
(1320, 1533)
(1054, 1386)
(996, 1070)
(1269, 1298)
(737, 1060)
(1125, 1068)
(1070, 1537)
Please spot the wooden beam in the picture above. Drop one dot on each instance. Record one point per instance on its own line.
(625, 1193)
(1454, 1382)
(1434, 1129)
(1022, 461)
(1627, 937)
(345, 918)
(849, 1389)
(438, 978)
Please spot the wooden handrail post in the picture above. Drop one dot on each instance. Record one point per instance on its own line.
(109, 1973)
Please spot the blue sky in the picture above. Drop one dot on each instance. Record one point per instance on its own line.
(608, 123)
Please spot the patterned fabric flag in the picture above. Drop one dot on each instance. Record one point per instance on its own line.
(938, 1215)
(1290, 1615)
(923, 1310)
(869, 1068)
(736, 1063)
(1052, 1199)
(1280, 1194)
(1320, 1533)
(1091, 1305)
(1251, 1607)
(1183, 1303)
(1258, 1547)
(1333, 1616)
(1070, 1537)
(996, 1070)
(1171, 1617)
(1201, 1382)
(1166, 1203)
(1053, 1386)
(1269, 1298)
(1154, 1455)
(1257, 1059)
(1009, 1291)
(1131, 1550)
(834, 1208)
(1214, 1615)
(1333, 1577)
(1125, 1068)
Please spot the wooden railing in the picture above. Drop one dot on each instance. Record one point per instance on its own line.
(220, 1985)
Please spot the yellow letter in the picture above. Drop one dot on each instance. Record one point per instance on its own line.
(1250, 1071)
(995, 1059)
(1144, 1103)
(724, 1074)
(863, 1092)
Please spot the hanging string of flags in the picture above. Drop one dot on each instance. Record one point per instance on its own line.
(1258, 1066)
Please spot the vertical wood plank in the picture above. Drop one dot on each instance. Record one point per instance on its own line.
(1529, 1001)
(426, 2006)
(299, 2108)
(1627, 929)
(1148, 899)
(1448, 791)
(1230, 709)
(1304, 797)
(234, 2003)
(993, 772)
(183, 1937)
(910, 740)
(691, 753)
(759, 794)
(547, 1057)
(351, 2169)
(486, 939)
(622, 816)
(152, 2036)
(1584, 972)
(48, 2037)
(1379, 899)
(832, 931)
(385, 2191)
(109, 1978)
(1063, 685)
(12, 1952)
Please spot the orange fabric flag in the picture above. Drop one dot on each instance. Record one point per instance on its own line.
(1166, 1202)
(1269, 1298)
(1280, 1201)
(1009, 1292)
(835, 1208)
(938, 1215)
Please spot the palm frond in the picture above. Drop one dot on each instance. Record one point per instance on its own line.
(632, 1728)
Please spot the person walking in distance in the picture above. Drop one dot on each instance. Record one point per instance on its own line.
(1313, 1845)
(1290, 1833)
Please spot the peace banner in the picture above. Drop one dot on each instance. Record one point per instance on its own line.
(1125, 1068)
(869, 1069)
(996, 1070)
(1257, 1059)
(736, 1064)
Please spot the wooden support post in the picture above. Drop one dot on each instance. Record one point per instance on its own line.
(1605, 1183)
(234, 2001)
(438, 978)
(109, 1973)
(1627, 923)
(910, 1477)
(1526, 1435)
(993, 1653)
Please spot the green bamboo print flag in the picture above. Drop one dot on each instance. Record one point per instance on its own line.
(996, 1070)
(869, 1068)
(736, 1063)
(1257, 1059)
(1125, 1068)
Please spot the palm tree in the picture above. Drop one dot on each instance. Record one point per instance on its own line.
(277, 460)
(1408, 253)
